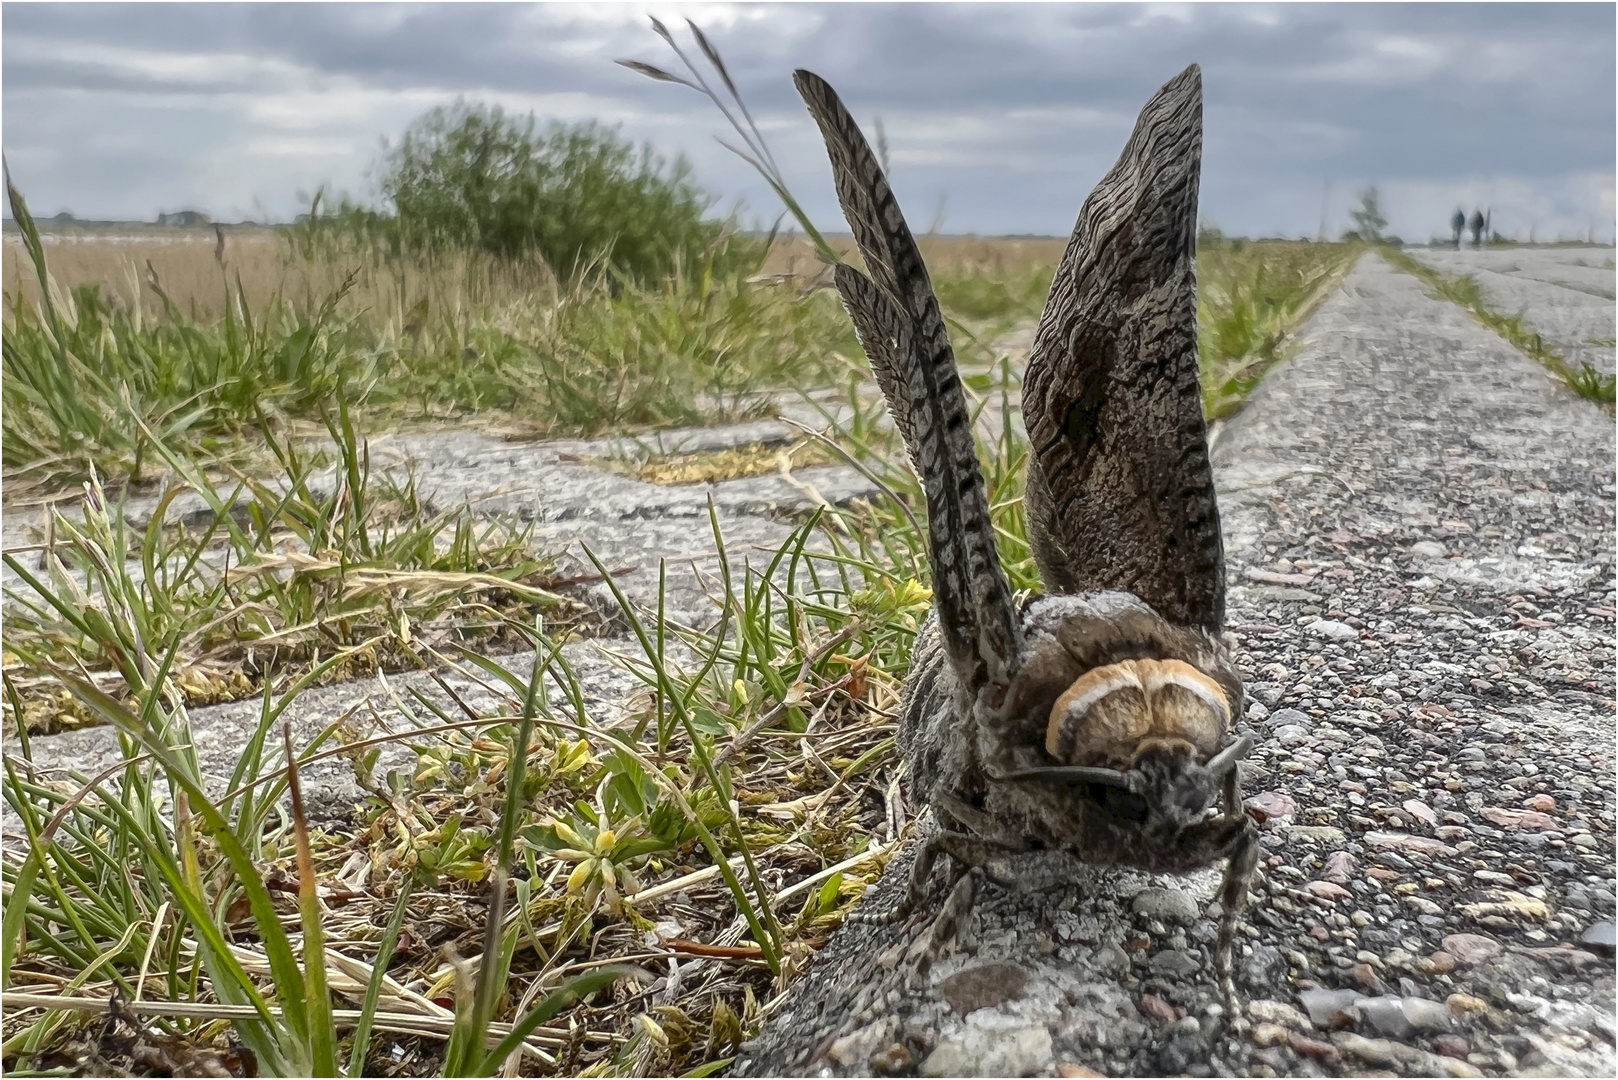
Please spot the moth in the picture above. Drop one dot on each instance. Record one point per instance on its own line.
(1098, 718)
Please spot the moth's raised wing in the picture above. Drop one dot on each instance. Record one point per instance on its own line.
(1120, 494)
(902, 330)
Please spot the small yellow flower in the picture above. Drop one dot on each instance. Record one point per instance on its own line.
(581, 874)
(566, 832)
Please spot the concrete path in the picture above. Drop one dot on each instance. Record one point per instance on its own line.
(1419, 537)
(1565, 294)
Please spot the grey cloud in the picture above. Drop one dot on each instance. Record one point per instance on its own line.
(1011, 111)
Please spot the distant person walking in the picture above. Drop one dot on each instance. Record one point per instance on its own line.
(1476, 225)
(1458, 223)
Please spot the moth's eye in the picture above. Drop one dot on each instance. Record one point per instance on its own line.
(1100, 717)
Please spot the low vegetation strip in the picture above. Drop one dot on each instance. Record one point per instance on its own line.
(1584, 380)
(1251, 296)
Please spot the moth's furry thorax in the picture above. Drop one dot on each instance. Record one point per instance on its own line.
(1102, 680)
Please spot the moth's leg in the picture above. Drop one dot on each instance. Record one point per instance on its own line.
(985, 828)
(1239, 869)
(1233, 792)
(965, 852)
(974, 821)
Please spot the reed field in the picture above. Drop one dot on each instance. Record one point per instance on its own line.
(488, 908)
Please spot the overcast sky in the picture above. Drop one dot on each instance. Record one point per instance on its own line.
(1000, 117)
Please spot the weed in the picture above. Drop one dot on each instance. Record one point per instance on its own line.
(284, 571)
(158, 865)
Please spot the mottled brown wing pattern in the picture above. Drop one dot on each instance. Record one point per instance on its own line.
(884, 334)
(977, 619)
(1120, 493)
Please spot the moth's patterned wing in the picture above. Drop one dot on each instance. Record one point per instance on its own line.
(1120, 494)
(977, 619)
(884, 334)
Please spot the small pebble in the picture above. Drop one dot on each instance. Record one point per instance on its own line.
(1329, 1008)
(1290, 735)
(1268, 1035)
(1376, 1051)
(1600, 938)
(1174, 962)
(1386, 1015)
(1284, 717)
(1532, 820)
(1157, 1008)
(1327, 890)
(1452, 1046)
(1313, 1048)
(1266, 805)
(1366, 976)
(1170, 905)
(1439, 963)
(1339, 867)
(1279, 1013)
(1420, 811)
(896, 1060)
(1427, 1015)
(1472, 948)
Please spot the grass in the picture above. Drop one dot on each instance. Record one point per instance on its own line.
(1250, 297)
(284, 571)
(483, 907)
(590, 809)
(87, 377)
(1585, 381)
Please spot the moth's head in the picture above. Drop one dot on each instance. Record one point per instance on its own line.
(1166, 788)
(1175, 786)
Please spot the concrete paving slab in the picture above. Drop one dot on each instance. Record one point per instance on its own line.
(1565, 294)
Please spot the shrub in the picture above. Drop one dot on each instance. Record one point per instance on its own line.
(579, 197)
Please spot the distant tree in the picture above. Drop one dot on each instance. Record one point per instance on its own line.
(1368, 220)
(578, 196)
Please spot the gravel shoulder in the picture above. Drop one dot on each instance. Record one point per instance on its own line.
(1420, 547)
